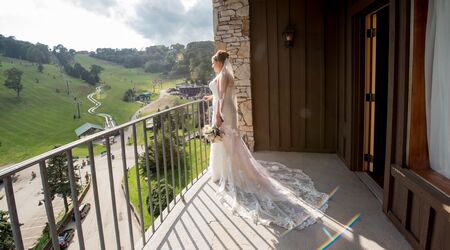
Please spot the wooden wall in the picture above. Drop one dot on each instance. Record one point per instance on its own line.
(294, 91)
(418, 208)
(416, 200)
(310, 97)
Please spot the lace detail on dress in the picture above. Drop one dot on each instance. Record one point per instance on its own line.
(262, 209)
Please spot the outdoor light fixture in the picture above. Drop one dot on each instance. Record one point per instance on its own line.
(288, 37)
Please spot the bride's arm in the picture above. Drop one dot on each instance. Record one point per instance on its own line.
(222, 87)
(207, 98)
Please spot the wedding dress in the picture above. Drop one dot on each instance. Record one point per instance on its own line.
(262, 191)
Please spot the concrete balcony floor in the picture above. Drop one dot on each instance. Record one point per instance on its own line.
(202, 223)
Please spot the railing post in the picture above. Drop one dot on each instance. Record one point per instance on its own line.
(205, 121)
(113, 193)
(96, 198)
(163, 135)
(48, 205)
(184, 149)
(15, 225)
(171, 158)
(73, 189)
(155, 139)
(149, 175)
(127, 191)
(195, 141)
(190, 151)
(200, 134)
(138, 183)
(177, 142)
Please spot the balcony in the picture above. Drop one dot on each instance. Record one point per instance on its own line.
(193, 219)
(202, 223)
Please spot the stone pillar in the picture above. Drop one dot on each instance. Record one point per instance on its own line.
(232, 33)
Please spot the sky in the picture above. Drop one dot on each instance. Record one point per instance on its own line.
(91, 24)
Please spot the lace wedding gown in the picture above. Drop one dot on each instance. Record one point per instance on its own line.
(262, 191)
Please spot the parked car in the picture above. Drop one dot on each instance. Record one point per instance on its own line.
(84, 210)
(65, 237)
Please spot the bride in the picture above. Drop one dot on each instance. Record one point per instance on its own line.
(265, 192)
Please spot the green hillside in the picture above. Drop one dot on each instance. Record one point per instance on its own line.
(43, 115)
(120, 79)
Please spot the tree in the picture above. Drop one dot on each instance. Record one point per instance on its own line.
(165, 187)
(198, 54)
(176, 150)
(95, 70)
(13, 79)
(6, 237)
(129, 95)
(40, 68)
(58, 177)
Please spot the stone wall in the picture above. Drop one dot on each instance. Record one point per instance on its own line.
(232, 33)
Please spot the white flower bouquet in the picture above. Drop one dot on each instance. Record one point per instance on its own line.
(212, 133)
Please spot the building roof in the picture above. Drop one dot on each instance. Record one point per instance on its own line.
(85, 127)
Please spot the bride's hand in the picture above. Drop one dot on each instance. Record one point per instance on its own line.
(218, 121)
(207, 98)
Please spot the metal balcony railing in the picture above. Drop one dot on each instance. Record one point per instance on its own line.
(189, 117)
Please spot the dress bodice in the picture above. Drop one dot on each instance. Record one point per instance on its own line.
(214, 90)
(229, 104)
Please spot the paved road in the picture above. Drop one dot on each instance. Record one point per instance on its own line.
(27, 193)
(89, 223)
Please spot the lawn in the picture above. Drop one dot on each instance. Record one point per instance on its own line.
(43, 115)
(197, 168)
(121, 79)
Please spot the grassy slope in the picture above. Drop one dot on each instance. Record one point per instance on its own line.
(120, 79)
(41, 117)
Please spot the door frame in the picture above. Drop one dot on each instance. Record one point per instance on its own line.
(358, 65)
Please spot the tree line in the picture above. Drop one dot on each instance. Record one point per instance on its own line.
(38, 53)
(42, 54)
(192, 61)
(65, 59)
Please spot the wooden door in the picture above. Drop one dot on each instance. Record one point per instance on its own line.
(375, 92)
(369, 93)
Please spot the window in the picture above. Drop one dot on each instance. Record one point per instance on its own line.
(437, 85)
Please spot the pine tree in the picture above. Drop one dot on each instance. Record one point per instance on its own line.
(6, 237)
(165, 187)
(176, 149)
(58, 177)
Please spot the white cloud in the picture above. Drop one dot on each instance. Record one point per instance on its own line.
(90, 24)
(172, 21)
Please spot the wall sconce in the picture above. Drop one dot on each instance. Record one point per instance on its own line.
(288, 37)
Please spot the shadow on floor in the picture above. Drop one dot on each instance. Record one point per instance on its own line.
(203, 223)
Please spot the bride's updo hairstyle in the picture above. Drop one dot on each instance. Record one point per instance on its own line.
(221, 56)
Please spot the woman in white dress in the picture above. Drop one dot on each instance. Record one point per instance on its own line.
(266, 192)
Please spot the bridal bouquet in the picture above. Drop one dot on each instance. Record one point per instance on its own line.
(212, 133)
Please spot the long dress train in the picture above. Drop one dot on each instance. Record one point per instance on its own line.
(262, 191)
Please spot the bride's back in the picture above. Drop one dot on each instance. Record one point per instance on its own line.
(229, 110)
